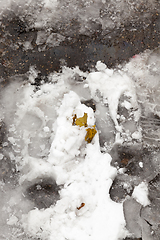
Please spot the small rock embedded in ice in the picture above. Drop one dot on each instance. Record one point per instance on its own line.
(140, 194)
(1, 156)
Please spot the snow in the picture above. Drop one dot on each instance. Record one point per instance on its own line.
(80, 167)
(140, 194)
(111, 85)
(88, 182)
(43, 140)
(141, 164)
(46, 143)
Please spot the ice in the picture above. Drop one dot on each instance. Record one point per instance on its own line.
(142, 69)
(138, 226)
(132, 215)
(54, 40)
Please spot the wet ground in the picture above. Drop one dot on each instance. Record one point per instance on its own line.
(116, 47)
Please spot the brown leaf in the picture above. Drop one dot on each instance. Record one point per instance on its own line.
(82, 121)
(91, 132)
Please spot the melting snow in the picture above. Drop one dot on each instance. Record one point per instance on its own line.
(44, 142)
(47, 143)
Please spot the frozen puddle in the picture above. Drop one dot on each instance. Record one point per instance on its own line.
(58, 137)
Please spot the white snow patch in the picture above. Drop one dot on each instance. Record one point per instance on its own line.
(111, 85)
(141, 164)
(140, 194)
(89, 183)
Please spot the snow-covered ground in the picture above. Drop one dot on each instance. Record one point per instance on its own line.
(47, 142)
(58, 136)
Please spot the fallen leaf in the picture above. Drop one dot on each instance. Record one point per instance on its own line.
(91, 132)
(82, 121)
(125, 161)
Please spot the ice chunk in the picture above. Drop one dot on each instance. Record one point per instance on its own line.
(140, 193)
(100, 66)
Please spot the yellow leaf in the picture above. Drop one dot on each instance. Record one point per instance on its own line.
(91, 132)
(82, 121)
